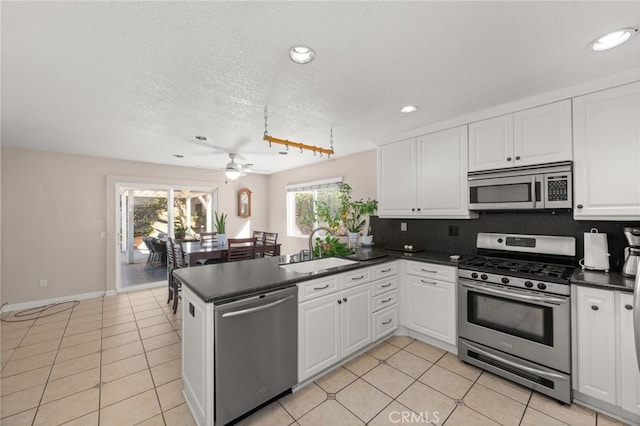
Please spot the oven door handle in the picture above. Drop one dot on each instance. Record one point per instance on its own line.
(533, 191)
(516, 365)
(516, 296)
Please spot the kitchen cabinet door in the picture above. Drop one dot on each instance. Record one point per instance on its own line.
(542, 134)
(491, 143)
(596, 351)
(606, 132)
(429, 307)
(442, 174)
(397, 178)
(629, 372)
(356, 318)
(318, 335)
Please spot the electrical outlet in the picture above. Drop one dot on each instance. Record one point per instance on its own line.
(403, 226)
(453, 231)
(103, 235)
(43, 283)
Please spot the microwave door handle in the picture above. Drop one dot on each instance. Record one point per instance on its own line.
(533, 191)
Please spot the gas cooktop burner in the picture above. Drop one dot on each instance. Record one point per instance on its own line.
(521, 268)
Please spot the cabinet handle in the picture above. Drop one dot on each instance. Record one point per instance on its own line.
(517, 157)
(389, 300)
(428, 282)
(344, 300)
(386, 270)
(594, 307)
(385, 286)
(579, 206)
(418, 208)
(426, 270)
(357, 278)
(386, 322)
(629, 307)
(413, 209)
(508, 158)
(321, 288)
(339, 302)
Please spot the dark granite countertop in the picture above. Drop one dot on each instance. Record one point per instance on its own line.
(226, 282)
(606, 280)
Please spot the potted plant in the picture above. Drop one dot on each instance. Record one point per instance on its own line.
(220, 222)
(355, 212)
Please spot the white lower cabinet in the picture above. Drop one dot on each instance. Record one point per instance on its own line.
(606, 367)
(596, 343)
(428, 300)
(332, 327)
(630, 373)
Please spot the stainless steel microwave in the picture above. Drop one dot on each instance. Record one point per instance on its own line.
(547, 186)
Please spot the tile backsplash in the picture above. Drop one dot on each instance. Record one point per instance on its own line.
(434, 234)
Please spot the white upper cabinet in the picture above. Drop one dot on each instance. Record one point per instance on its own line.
(542, 134)
(491, 143)
(442, 174)
(533, 136)
(425, 176)
(606, 168)
(397, 171)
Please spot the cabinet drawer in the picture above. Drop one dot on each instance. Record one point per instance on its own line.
(384, 300)
(385, 322)
(384, 285)
(359, 276)
(315, 288)
(431, 270)
(385, 270)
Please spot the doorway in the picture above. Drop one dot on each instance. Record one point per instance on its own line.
(147, 216)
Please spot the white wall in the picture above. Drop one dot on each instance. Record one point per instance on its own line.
(358, 170)
(54, 207)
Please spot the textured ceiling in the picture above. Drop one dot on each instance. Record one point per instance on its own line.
(137, 80)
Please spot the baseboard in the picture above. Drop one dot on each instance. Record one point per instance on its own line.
(44, 302)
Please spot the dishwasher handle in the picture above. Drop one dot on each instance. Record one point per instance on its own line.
(256, 308)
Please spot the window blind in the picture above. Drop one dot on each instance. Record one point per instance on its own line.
(312, 186)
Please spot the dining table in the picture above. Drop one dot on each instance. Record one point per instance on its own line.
(195, 251)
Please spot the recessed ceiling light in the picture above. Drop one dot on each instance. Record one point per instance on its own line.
(178, 155)
(613, 39)
(301, 54)
(409, 108)
(200, 138)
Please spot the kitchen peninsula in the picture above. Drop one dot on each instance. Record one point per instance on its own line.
(339, 312)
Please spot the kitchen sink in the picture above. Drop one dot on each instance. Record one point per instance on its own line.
(317, 265)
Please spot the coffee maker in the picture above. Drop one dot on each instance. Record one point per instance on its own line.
(632, 253)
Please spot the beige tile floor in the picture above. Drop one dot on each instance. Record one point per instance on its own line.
(116, 361)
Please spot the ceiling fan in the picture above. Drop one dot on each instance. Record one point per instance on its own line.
(235, 170)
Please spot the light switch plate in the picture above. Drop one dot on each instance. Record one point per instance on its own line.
(403, 226)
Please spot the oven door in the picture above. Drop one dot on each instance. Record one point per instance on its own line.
(506, 193)
(522, 323)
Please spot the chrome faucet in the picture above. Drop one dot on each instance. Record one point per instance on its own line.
(321, 228)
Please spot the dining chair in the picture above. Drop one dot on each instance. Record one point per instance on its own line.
(241, 249)
(148, 241)
(260, 239)
(208, 237)
(161, 251)
(170, 268)
(270, 239)
(178, 262)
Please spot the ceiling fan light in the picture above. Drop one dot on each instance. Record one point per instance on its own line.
(613, 39)
(232, 174)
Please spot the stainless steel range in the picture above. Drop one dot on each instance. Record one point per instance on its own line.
(514, 310)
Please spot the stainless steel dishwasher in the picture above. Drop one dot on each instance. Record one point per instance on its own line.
(255, 351)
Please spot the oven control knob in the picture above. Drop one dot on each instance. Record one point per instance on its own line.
(542, 286)
(505, 280)
(474, 275)
(528, 284)
(484, 276)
